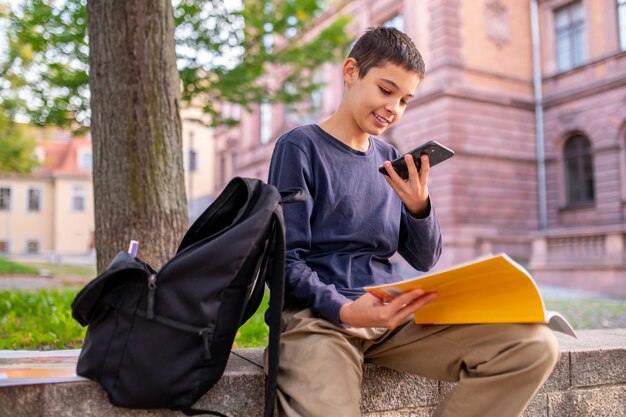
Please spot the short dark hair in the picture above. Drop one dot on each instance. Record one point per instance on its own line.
(380, 45)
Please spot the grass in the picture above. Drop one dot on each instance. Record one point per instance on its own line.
(38, 320)
(10, 268)
(591, 314)
(61, 270)
(254, 332)
(42, 320)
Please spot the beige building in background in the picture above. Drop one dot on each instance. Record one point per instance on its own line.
(198, 159)
(49, 214)
(51, 210)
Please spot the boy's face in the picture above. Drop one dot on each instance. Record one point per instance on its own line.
(379, 99)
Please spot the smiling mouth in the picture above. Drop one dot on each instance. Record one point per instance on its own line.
(381, 119)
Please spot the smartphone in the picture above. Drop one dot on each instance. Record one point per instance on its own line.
(436, 153)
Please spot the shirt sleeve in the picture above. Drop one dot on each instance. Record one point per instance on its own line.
(420, 239)
(290, 167)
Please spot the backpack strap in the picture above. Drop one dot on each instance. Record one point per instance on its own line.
(258, 289)
(293, 195)
(276, 282)
(197, 412)
(290, 195)
(275, 279)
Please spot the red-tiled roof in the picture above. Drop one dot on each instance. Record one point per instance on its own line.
(61, 153)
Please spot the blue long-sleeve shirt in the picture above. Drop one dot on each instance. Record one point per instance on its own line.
(341, 238)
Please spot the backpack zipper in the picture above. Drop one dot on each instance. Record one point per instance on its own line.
(206, 333)
(151, 293)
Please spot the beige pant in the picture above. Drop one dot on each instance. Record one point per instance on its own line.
(498, 367)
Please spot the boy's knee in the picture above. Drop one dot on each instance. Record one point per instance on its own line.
(542, 346)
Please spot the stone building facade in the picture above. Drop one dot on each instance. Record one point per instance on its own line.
(531, 95)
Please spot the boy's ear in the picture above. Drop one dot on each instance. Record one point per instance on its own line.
(350, 70)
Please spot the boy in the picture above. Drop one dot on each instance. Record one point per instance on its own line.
(340, 240)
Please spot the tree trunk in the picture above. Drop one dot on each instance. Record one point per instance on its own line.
(136, 130)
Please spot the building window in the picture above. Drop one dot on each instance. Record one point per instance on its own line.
(4, 246)
(193, 160)
(5, 198)
(234, 162)
(78, 198)
(396, 22)
(34, 199)
(569, 22)
(223, 169)
(39, 154)
(578, 170)
(230, 112)
(85, 159)
(621, 23)
(265, 111)
(32, 247)
(235, 111)
(317, 95)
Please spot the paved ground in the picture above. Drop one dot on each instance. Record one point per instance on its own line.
(558, 293)
(36, 283)
(585, 310)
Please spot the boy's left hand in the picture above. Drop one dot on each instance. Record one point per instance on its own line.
(414, 191)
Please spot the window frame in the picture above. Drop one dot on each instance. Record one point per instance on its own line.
(393, 20)
(575, 34)
(27, 249)
(620, 12)
(192, 160)
(30, 188)
(9, 205)
(85, 159)
(78, 191)
(579, 191)
(265, 122)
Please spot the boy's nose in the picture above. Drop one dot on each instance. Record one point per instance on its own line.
(392, 108)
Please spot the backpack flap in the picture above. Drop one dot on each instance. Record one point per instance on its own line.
(122, 268)
(226, 210)
(221, 252)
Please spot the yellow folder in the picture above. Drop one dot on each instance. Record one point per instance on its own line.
(492, 289)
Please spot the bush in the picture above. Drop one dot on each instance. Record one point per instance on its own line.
(43, 320)
(39, 320)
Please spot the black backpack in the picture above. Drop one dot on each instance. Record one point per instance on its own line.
(162, 339)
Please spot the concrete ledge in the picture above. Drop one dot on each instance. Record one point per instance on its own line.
(589, 380)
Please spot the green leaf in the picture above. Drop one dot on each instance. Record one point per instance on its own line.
(223, 53)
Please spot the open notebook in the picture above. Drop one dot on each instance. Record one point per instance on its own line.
(490, 289)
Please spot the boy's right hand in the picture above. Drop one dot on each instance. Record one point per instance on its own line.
(369, 311)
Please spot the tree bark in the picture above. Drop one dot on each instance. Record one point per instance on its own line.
(138, 173)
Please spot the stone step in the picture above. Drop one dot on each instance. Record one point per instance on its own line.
(589, 380)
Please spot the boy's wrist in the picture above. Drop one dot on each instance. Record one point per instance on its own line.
(420, 212)
(343, 313)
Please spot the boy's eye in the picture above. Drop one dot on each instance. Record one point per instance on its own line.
(385, 91)
(404, 102)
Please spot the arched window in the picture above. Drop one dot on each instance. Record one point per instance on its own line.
(578, 170)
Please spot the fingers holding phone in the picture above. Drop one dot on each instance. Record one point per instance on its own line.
(436, 153)
(414, 191)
